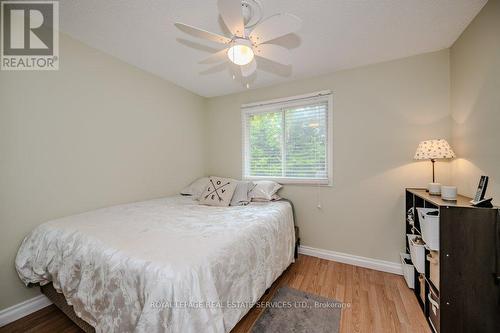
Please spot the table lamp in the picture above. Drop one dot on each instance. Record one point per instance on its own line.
(433, 150)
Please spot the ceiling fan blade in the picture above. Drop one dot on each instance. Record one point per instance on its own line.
(249, 69)
(275, 26)
(216, 57)
(232, 15)
(274, 53)
(215, 69)
(202, 33)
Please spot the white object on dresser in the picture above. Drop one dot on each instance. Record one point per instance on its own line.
(449, 193)
(435, 188)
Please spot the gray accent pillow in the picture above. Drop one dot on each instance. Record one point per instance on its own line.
(241, 193)
(218, 192)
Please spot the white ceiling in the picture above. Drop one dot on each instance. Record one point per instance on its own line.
(336, 34)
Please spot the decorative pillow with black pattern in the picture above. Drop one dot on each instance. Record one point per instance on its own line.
(218, 192)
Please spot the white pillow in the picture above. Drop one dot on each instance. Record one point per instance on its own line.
(218, 192)
(241, 194)
(264, 190)
(274, 198)
(196, 188)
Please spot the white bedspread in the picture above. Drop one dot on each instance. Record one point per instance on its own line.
(165, 265)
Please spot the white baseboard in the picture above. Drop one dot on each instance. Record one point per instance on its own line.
(23, 309)
(376, 264)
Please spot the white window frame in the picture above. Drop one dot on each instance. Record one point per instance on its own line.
(271, 105)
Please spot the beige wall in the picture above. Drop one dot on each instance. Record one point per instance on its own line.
(100, 132)
(475, 102)
(95, 133)
(381, 112)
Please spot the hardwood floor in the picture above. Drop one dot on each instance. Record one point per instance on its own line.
(46, 320)
(380, 302)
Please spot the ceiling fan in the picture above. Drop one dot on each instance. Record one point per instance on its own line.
(249, 35)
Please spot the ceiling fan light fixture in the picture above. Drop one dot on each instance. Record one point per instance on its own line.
(250, 34)
(241, 53)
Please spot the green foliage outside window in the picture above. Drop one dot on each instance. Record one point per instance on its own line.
(297, 135)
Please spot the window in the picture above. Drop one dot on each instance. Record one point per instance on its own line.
(289, 140)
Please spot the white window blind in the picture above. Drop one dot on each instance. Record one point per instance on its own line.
(288, 140)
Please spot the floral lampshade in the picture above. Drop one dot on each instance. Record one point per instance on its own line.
(434, 149)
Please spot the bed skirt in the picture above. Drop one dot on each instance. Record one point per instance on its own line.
(59, 301)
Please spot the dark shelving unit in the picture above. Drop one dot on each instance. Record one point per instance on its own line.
(468, 295)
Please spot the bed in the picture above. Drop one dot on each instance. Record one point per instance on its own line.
(164, 265)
